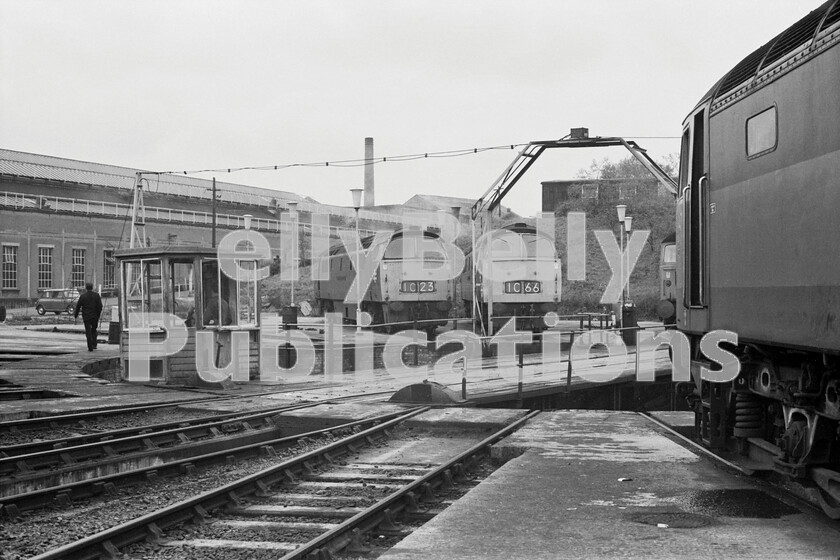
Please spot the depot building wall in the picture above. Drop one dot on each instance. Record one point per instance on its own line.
(33, 234)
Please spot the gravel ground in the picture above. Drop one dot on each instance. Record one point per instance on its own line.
(104, 424)
(38, 531)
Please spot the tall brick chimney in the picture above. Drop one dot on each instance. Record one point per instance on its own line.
(369, 197)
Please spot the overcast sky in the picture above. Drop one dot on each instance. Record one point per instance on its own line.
(186, 85)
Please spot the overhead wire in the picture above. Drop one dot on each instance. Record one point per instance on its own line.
(351, 162)
(375, 161)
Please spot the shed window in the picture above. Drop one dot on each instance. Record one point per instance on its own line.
(10, 266)
(761, 133)
(589, 190)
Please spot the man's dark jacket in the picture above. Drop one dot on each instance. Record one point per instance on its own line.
(91, 305)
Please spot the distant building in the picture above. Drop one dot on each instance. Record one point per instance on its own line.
(61, 220)
(557, 192)
(437, 203)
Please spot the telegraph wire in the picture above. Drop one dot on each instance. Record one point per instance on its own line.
(375, 161)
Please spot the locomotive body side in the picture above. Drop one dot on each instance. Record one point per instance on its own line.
(773, 235)
(756, 238)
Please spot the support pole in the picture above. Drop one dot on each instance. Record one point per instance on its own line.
(213, 239)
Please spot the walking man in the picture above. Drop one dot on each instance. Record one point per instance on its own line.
(91, 306)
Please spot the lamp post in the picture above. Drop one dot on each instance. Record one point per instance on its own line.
(628, 226)
(292, 215)
(357, 203)
(621, 210)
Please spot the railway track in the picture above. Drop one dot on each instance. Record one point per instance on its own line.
(81, 419)
(116, 452)
(312, 505)
(67, 493)
(113, 436)
(84, 419)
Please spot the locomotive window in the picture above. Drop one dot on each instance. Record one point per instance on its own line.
(685, 151)
(761, 133)
(669, 254)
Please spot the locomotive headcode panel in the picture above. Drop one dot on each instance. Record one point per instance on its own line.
(757, 240)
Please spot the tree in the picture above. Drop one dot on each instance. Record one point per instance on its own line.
(627, 168)
(650, 210)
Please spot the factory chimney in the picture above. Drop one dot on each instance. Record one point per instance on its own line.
(369, 198)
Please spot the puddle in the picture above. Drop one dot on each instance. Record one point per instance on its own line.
(740, 502)
(672, 519)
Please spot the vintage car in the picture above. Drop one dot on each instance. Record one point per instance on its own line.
(57, 301)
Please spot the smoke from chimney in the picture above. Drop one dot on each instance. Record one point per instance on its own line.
(369, 197)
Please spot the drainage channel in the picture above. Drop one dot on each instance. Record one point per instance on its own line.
(18, 393)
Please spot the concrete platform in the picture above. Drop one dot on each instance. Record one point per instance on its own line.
(71, 372)
(581, 484)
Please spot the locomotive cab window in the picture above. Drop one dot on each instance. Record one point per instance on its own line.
(761, 133)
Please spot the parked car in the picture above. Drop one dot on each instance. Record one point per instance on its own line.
(57, 301)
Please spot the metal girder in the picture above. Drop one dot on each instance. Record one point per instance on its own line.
(523, 161)
(138, 215)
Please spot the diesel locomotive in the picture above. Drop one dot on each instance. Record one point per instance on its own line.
(757, 238)
(400, 295)
(517, 276)
(666, 308)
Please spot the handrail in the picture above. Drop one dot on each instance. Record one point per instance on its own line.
(153, 213)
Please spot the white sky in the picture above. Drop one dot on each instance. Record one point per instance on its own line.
(185, 85)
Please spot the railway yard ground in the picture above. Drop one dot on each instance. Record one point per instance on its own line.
(318, 470)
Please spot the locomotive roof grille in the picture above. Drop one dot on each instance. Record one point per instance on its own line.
(832, 17)
(794, 37)
(744, 70)
(802, 32)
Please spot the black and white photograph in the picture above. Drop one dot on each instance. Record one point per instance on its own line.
(404, 280)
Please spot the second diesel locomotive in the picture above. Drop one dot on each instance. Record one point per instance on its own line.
(400, 295)
(517, 275)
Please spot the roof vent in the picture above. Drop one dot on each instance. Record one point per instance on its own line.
(794, 37)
